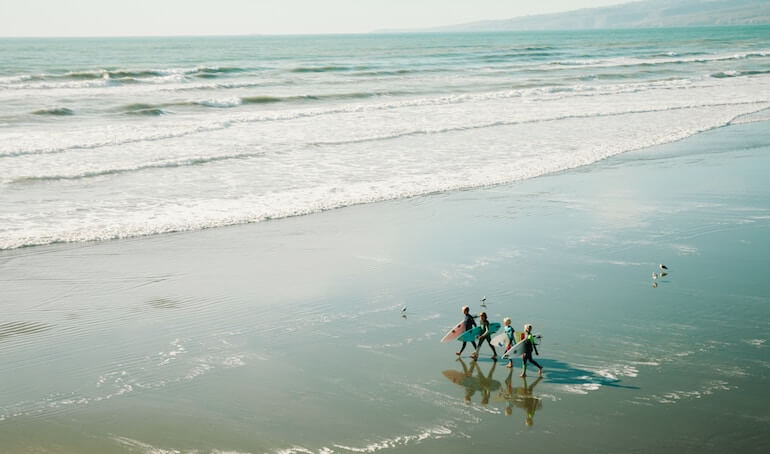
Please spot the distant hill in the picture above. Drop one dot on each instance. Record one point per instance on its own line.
(642, 14)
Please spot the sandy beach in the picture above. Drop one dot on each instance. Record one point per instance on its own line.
(287, 336)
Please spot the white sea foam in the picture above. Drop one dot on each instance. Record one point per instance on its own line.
(673, 397)
(320, 137)
(399, 441)
(755, 342)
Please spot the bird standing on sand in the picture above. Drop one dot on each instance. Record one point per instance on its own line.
(403, 309)
(663, 267)
(654, 275)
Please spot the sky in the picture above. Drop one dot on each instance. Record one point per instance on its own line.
(19, 18)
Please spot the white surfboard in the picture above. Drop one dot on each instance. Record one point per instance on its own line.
(501, 340)
(518, 349)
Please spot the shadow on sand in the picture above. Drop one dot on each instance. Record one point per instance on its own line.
(559, 372)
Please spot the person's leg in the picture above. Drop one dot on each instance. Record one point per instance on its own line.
(494, 352)
(539, 367)
(461, 349)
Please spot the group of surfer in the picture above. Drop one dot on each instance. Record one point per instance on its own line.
(486, 335)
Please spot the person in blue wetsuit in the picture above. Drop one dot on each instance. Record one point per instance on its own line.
(485, 335)
(469, 323)
(510, 341)
(527, 355)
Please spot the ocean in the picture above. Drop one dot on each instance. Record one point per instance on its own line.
(121, 137)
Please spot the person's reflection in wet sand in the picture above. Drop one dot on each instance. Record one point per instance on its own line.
(469, 390)
(521, 397)
(481, 382)
(487, 383)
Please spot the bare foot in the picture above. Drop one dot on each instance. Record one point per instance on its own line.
(540, 372)
(458, 353)
(509, 366)
(523, 375)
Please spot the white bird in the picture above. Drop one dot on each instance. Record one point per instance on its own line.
(403, 309)
(654, 275)
(663, 267)
(483, 299)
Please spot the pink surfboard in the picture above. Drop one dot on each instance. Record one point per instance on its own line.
(455, 332)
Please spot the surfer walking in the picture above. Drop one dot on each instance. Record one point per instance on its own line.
(509, 334)
(469, 323)
(529, 345)
(485, 335)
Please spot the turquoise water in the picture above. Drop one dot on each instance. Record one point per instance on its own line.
(125, 137)
(287, 336)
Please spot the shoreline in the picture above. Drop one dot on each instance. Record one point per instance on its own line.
(746, 118)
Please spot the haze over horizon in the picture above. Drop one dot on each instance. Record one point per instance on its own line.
(72, 18)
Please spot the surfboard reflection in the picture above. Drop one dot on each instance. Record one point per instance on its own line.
(483, 383)
(520, 397)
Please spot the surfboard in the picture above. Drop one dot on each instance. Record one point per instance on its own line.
(518, 349)
(474, 332)
(501, 340)
(454, 332)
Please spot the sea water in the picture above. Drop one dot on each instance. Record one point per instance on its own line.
(119, 137)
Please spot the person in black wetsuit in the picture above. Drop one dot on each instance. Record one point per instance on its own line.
(527, 355)
(485, 336)
(469, 323)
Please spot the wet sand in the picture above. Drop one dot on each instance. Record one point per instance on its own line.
(288, 336)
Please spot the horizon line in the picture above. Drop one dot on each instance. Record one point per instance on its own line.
(379, 32)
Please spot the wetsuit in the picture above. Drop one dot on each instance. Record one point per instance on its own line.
(486, 336)
(527, 355)
(511, 341)
(469, 323)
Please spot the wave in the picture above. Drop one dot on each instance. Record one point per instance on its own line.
(727, 74)
(627, 62)
(144, 73)
(158, 109)
(325, 69)
(307, 201)
(56, 111)
(504, 57)
(102, 77)
(532, 121)
(218, 103)
(303, 201)
(551, 93)
(197, 161)
(187, 162)
(150, 112)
